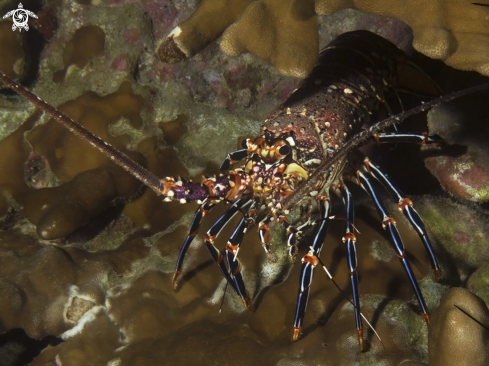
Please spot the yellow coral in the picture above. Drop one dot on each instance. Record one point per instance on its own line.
(284, 32)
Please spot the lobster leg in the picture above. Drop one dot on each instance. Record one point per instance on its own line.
(232, 248)
(214, 231)
(389, 224)
(309, 262)
(349, 240)
(406, 206)
(403, 137)
(293, 233)
(264, 233)
(233, 157)
(203, 209)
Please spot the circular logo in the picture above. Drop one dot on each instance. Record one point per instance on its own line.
(20, 17)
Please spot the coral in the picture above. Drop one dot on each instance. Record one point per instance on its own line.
(459, 332)
(87, 42)
(12, 62)
(459, 229)
(284, 32)
(478, 283)
(464, 175)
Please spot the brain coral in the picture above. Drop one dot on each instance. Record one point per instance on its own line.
(284, 32)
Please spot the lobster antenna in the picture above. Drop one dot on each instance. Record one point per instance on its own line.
(472, 317)
(351, 302)
(121, 159)
(362, 137)
(153, 182)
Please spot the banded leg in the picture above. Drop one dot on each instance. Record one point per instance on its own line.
(309, 262)
(389, 224)
(405, 205)
(293, 234)
(349, 240)
(232, 158)
(232, 248)
(203, 209)
(214, 231)
(264, 233)
(404, 137)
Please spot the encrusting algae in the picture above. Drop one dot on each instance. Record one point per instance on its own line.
(104, 284)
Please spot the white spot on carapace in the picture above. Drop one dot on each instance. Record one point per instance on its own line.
(290, 140)
(313, 161)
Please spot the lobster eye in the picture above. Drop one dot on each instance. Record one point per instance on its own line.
(284, 150)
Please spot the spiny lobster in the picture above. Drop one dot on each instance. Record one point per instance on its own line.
(303, 152)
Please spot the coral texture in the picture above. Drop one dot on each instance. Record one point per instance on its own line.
(460, 327)
(283, 32)
(464, 175)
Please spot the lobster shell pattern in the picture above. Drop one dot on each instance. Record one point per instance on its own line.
(336, 99)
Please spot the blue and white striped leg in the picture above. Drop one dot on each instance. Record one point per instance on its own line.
(203, 209)
(406, 137)
(389, 224)
(214, 231)
(406, 206)
(293, 234)
(232, 249)
(349, 240)
(309, 262)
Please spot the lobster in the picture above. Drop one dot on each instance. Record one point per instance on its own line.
(303, 153)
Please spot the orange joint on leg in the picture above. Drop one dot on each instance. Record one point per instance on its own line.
(360, 339)
(426, 138)
(426, 317)
(436, 275)
(366, 162)
(296, 334)
(405, 202)
(265, 233)
(312, 259)
(349, 236)
(210, 186)
(388, 221)
(167, 186)
(232, 248)
(247, 303)
(282, 219)
(174, 281)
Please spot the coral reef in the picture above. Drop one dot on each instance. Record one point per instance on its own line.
(284, 32)
(12, 59)
(464, 175)
(460, 326)
(104, 284)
